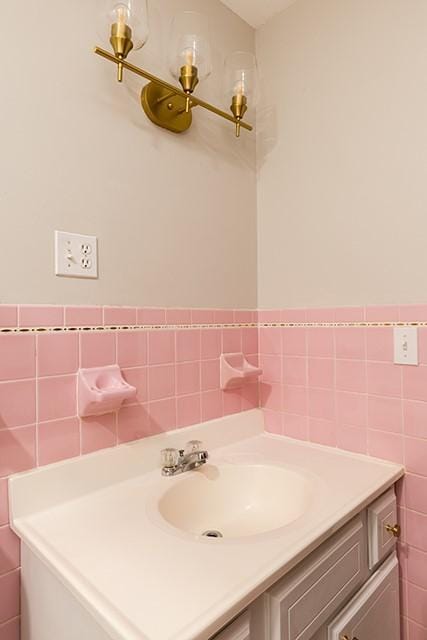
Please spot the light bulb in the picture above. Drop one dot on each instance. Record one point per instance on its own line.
(190, 44)
(241, 81)
(130, 13)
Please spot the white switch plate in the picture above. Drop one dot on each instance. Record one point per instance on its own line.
(76, 256)
(406, 345)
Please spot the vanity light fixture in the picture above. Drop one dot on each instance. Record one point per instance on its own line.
(165, 104)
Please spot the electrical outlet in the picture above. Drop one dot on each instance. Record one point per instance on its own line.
(406, 345)
(76, 256)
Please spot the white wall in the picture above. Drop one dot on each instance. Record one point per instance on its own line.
(342, 189)
(175, 215)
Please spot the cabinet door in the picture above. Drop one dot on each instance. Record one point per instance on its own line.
(373, 613)
(381, 515)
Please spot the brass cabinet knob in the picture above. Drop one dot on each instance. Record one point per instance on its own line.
(395, 531)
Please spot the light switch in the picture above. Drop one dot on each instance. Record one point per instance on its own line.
(406, 345)
(76, 256)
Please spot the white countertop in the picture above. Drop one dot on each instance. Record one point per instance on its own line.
(93, 523)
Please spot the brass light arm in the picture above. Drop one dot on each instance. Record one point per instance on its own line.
(174, 91)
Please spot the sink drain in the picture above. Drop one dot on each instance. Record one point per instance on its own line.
(212, 533)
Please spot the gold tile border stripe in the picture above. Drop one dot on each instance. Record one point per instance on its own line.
(182, 327)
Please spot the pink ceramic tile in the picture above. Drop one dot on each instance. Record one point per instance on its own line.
(57, 398)
(187, 378)
(352, 439)
(9, 596)
(17, 450)
(422, 345)
(132, 348)
(294, 341)
(417, 568)
(232, 402)
(321, 404)
(188, 345)
(415, 631)
(133, 423)
(349, 314)
(83, 317)
(17, 403)
(380, 344)
(188, 410)
(320, 315)
(162, 415)
(384, 379)
(8, 316)
(58, 440)
(138, 378)
(97, 349)
(320, 342)
(294, 370)
(10, 630)
(250, 396)
(211, 405)
(231, 341)
(98, 432)
(17, 356)
(210, 375)
(41, 316)
(416, 493)
(321, 372)
(57, 353)
(295, 426)
(322, 432)
(350, 343)
(10, 550)
(210, 343)
(268, 316)
(223, 316)
(116, 316)
(351, 409)
(295, 400)
(161, 347)
(161, 382)
(387, 313)
(151, 317)
(270, 341)
(415, 383)
(202, 316)
(293, 316)
(178, 316)
(416, 456)
(415, 418)
(272, 368)
(417, 609)
(250, 340)
(413, 313)
(273, 422)
(243, 316)
(4, 503)
(385, 413)
(350, 375)
(271, 396)
(416, 530)
(387, 446)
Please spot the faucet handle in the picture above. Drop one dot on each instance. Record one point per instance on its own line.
(194, 446)
(170, 458)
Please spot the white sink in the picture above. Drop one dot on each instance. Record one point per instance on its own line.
(235, 500)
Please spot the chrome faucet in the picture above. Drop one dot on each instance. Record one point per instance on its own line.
(176, 461)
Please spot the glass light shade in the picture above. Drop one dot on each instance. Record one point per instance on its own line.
(241, 76)
(190, 44)
(133, 13)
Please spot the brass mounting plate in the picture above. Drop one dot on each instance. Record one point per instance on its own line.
(165, 108)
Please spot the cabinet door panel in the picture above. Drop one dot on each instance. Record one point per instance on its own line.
(381, 513)
(373, 613)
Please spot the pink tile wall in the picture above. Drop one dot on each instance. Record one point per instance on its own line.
(176, 373)
(338, 386)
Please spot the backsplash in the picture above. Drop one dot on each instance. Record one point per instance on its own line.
(329, 378)
(170, 355)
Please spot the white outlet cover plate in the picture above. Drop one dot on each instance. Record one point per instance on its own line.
(76, 256)
(406, 345)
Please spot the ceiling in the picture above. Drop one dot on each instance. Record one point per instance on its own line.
(257, 12)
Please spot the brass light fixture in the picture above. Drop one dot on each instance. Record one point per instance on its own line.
(241, 79)
(165, 104)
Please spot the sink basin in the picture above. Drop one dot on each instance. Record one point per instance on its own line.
(234, 501)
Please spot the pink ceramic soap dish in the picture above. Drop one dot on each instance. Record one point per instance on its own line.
(102, 390)
(236, 370)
